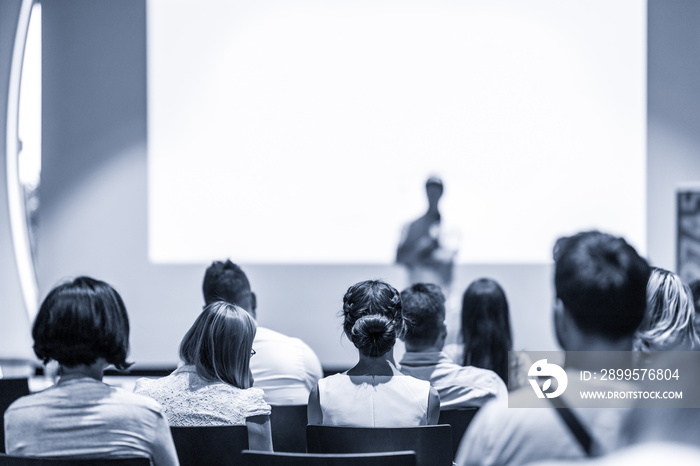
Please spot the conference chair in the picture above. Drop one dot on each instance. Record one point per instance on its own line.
(432, 444)
(10, 390)
(459, 419)
(211, 445)
(395, 458)
(288, 424)
(9, 460)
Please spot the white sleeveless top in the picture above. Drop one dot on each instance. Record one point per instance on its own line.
(374, 401)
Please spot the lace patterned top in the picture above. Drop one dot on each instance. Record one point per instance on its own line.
(189, 400)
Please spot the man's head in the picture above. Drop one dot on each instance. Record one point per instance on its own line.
(225, 281)
(424, 310)
(600, 283)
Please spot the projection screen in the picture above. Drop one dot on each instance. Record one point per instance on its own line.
(302, 131)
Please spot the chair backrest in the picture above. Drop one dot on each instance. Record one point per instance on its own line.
(10, 390)
(394, 458)
(214, 445)
(459, 419)
(288, 424)
(9, 460)
(432, 444)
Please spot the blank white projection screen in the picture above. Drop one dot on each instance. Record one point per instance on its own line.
(302, 131)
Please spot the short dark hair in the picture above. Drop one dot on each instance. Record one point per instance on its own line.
(372, 316)
(80, 321)
(225, 281)
(434, 181)
(219, 344)
(602, 281)
(423, 307)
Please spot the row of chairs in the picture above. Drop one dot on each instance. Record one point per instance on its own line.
(248, 458)
(223, 446)
(289, 426)
(228, 445)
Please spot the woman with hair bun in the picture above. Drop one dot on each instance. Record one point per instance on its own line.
(374, 393)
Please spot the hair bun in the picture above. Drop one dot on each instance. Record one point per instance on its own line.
(374, 335)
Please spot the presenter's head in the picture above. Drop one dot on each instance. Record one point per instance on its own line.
(372, 317)
(220, 343)
(226, 281)
(80, 323)
(600, 283)
(434, 189)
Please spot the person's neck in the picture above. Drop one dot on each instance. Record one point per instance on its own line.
(596, 352)
(433, 211)
(414, 348)
(381, 365)
(94, 370)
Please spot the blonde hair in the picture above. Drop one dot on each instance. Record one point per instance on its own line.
(668, 322)
(219, 344)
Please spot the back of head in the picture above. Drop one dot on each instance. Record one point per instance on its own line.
(225, 281)
(486, 331)
(219, 344)
(423, 306)
(80, 321)
(669, 320)
(601, 281)
(372, 317)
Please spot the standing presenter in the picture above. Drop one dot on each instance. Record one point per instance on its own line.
(421, 250)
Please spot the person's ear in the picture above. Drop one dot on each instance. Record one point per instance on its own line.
(561, 323)
(253, 304)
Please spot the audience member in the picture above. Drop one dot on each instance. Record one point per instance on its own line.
(600, 283)
(285, 368)
(485, 336)
(374, 393)
(670, 317)
(658, 435)
(213, 388)
(459, 386)
(83, 325)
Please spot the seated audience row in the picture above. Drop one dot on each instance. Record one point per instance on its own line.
(602, 288)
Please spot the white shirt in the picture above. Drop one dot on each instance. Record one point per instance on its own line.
(285, 368)
(652, 453)
(500, 435)
(458, 386)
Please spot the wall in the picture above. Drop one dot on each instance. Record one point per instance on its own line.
(673, 138)
(93, 213)
(14, 327)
